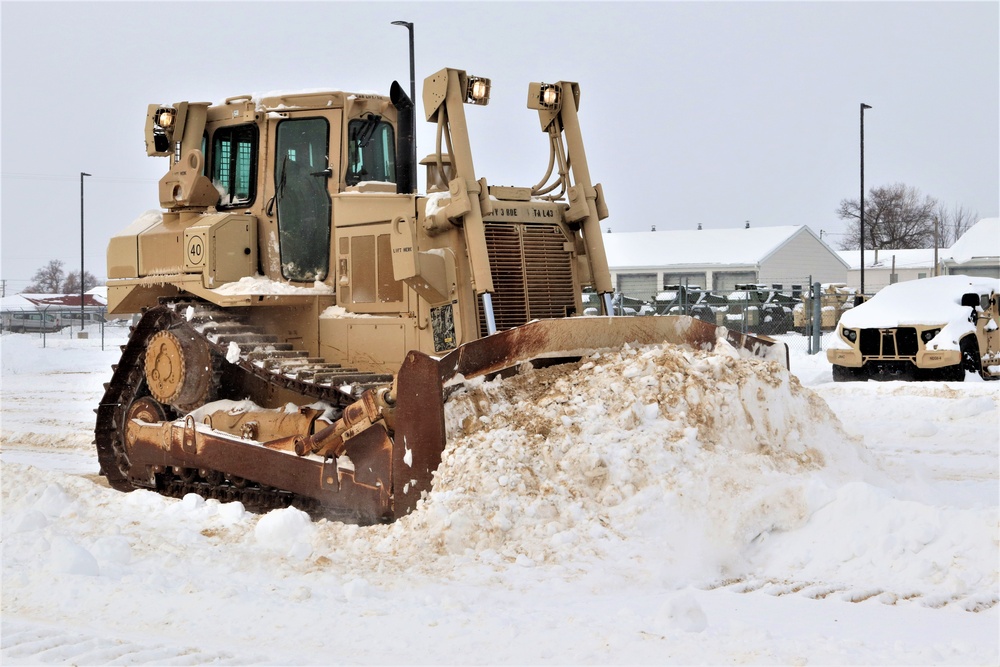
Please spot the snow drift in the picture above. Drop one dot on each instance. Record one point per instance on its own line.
(668, 459)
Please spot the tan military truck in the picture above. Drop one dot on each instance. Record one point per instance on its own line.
(834, 300)
(941, 328)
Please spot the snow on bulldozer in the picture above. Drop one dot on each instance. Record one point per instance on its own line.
(305, 313)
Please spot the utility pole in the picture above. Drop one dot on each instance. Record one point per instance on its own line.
(861, 207)
(82, 174)
(936, 241)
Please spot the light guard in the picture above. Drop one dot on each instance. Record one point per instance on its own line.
(544, 96)
(477, 91)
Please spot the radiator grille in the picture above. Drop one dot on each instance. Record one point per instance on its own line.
(889, 343)
(532, 274)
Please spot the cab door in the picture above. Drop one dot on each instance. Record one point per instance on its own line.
(303, 176)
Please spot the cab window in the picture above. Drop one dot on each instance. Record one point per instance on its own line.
(371, 151)
(303, 203)
(234, 164)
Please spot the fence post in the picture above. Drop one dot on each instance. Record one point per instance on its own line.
(817, 318)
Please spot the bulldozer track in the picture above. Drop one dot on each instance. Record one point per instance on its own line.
(261, 356)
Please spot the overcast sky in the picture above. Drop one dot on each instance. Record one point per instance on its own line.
(713, 113)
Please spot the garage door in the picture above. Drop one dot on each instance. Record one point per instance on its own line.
(640, 286)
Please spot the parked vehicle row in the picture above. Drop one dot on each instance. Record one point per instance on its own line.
(48, 321)
(752, 308)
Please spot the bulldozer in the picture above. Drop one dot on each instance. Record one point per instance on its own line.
(306, 314)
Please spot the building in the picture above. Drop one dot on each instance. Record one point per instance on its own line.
(886, 267)
(642, 263)
(64, 309)
(977, 252)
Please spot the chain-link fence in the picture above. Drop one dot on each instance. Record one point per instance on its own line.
(802, 312)
(59, 322)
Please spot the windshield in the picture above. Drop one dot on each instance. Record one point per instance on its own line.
(371, 151)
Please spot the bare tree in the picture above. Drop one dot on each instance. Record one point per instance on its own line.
(72, 283)
(896, 216)
(48, 279)
(954, 223)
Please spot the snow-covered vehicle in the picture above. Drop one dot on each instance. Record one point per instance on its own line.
(931, 329)
(834, 299)
(31, 321)
(756, 309)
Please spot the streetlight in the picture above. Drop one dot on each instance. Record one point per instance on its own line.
(82, 174)
(413, 92)
(862, 203)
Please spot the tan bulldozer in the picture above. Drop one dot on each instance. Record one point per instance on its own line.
(306, 314)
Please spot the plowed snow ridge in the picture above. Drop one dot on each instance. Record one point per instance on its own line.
(574, 462)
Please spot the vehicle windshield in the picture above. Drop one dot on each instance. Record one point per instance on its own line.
(371, 151)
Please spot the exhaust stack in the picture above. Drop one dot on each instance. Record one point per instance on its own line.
(405, 140)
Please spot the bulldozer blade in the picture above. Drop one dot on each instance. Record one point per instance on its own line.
(420, 434)
(579, 336)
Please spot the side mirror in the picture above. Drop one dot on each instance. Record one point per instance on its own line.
(971, 300)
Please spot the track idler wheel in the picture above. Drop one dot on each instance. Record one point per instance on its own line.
(178, 369)
(144, 410)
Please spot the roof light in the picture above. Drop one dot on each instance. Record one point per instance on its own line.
(477, 91)
(544, 96)
(165, 117)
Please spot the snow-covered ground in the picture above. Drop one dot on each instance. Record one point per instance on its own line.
(641, 506)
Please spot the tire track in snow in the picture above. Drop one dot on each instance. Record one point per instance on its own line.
(24, 642)
(816, 590)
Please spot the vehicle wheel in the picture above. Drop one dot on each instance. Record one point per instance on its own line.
(847, 374)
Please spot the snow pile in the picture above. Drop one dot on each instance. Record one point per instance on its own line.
(893, 548)
(339, 312)
(260, 285)
(670, 460)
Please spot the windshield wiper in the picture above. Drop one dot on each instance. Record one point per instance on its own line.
(367, 131)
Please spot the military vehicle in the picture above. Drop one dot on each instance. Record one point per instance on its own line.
(675, 299)
(694, 301)
(754, 308)
(938, 328)
(306, 314)
(834, 300)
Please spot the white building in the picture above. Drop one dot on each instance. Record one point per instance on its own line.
(642, 263)
(889, 266)
(976, 253)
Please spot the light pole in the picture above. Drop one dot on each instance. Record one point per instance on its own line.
(413, 93)
(82, 174)
(861, 207)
